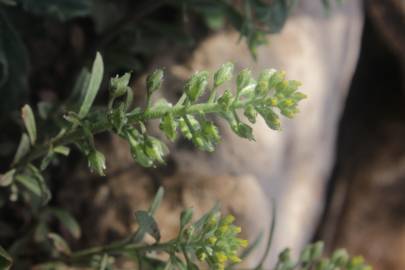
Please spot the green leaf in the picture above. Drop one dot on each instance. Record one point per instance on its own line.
(185, 217)
(5, 259)
(61, 9)
(59, 243)
(8, 2)
(148, 224)
(29, 122)
(156, 201)
(68, 221)
(93, 86)
(63, 150)
(22, 149)
(29, 183)
(7, 178)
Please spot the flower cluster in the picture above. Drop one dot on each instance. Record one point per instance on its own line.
(219, 242)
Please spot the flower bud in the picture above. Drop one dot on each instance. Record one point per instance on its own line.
(96, 161)
(223, 74)
(154, 81)
(196, 85)
(119, 85)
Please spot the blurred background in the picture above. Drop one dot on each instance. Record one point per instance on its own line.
(336, 172)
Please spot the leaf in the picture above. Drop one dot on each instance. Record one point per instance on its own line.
(93, 86)
(22, 149)
(7, 178)
(29, 122)
(63, 150)
(156, 201)
(59, 243)
(8, 2)
(62, 9)
(29, 183)
(148, 224)
(68, 221)
(5, 259)
(13, 67)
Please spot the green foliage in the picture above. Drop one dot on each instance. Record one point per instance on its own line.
(311, 259)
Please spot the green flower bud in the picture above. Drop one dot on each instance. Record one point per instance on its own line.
(262, 86)
(340, 257)
(243, 131)
(154, 81)
(226, 100)
(243, 80)
(223, 74)
(316, 250)
(251, 113)
(270, 117)
(210, 131)
(276, 78)
(155, 149)
(96, 161)
(184, 129)
(196, 85)
(169, 126)
(119, 85)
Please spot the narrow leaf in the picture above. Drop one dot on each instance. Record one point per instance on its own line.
(29, 122)
(29, 183)
(23, 148)
(7, 178)
(5, 259)
(156, 201)
(59, 243)
(93, 86)
(68, 221)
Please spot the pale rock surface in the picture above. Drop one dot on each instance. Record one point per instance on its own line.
(292, 166)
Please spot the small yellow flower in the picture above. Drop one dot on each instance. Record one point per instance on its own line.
(221, 257)
(212, 240)
(234, 259)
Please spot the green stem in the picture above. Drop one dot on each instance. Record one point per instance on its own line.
(103, 125)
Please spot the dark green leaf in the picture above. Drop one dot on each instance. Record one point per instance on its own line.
(148, 224)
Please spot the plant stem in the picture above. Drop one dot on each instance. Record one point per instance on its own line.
(103, 124)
